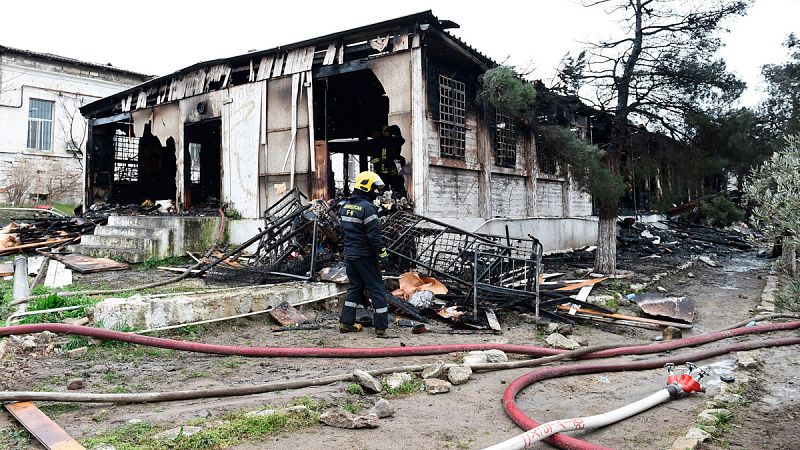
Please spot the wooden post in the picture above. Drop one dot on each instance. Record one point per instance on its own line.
(320, 176)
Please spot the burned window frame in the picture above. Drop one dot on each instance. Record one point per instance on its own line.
(452, 118)
(505, 140)
(126, 158)
(40, 124)
(546, 163)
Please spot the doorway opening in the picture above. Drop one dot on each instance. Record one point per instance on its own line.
(352, 112)
(202, 167)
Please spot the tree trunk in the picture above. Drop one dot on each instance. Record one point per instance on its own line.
(789, 257)
(605, 259)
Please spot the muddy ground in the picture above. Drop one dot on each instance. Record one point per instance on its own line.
(470, 416)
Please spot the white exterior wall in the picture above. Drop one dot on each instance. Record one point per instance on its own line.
(58, 172)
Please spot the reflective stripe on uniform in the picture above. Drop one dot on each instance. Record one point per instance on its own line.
(380, 310)
(351, 304)
(351, 219)
(370, 219)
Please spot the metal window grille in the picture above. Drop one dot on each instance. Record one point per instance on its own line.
(126, 157)
(546, 161)
(40, 124)
(505, 140)
(452, 118)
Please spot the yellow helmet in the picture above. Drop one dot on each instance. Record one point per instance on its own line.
(368, 181)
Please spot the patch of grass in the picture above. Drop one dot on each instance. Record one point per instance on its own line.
(233, 362)
(128, 437)
(306, 401)
(611, 304)
(121, 389)
(408, 387)
(54, 409)
(152, 263)
(75, 342)
(111, 376)
(353, 408)
(197, 374)
(189, 331)
(723, 421)
(12, 437)
(53, 301)
(222, 432)
(354, 389)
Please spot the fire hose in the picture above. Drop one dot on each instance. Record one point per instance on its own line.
(677, 387)
(326, 352)
(508, 399)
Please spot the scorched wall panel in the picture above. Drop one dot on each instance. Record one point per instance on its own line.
(549, 199)
(452, 192)
(508, 196)
(241, 133)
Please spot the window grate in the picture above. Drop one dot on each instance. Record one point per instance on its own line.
(40, 124)
(126, 158)
(505, 140)
(547, 162)
(452, 118)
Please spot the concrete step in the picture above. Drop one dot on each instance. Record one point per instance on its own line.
(129, 255)
(139, 232)
(146, 221)
(115, 241)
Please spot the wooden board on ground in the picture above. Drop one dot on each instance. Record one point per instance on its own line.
(573, 286)
(494, 324)
(287, 315)
(89, 264)
(57, 275)
(592, 312)
(42, 427)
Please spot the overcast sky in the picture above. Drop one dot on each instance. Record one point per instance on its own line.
(161, 36)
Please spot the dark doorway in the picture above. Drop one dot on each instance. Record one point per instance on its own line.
(350, 110)
(202, 170)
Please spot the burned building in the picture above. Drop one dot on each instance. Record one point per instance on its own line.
(305, 115)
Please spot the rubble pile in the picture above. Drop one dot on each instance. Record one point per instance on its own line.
(42, 232)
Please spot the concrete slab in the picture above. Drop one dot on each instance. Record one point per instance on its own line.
(145, 312)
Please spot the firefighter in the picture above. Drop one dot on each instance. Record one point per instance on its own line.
(386, 149)
(364, 254)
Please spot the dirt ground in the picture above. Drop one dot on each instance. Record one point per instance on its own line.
(470, 416)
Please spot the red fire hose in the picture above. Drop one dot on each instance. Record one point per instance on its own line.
(566, 442)
(322, 352)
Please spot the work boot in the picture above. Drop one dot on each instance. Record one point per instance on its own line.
(345, 328)
(383, 334)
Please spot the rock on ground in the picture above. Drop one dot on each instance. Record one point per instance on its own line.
(558, 340)
(367, 381)
(459, 374)
(670, 333)
(496, 356)
(436, 386)
(396, 380)
(174, 433)
(75, 384)
(435, 370)
(343, 419)
(382, 409)
(477, 357)
(709, 416)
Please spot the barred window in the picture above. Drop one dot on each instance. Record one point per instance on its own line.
(40, 124)
(126, 157)
(545, 159)
(452, 118)
(505, 140)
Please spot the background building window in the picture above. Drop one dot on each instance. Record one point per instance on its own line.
(547, 162)
(452, 118)
(40, 124)
(126, 157)
(505, 140)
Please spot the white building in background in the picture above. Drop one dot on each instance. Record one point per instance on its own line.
(42, 133)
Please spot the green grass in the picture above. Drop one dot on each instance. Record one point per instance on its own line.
(228, 430)
(353, 408)
(408, 387)
(152, 263)
(354, 389)
(53, 301)
(54, 409)
(197, 374)
(611, 305)
(233, 362)
(13, 437)
(111, 376)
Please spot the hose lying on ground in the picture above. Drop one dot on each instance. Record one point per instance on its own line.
(566, 442)
(151, 397)
(322, 352)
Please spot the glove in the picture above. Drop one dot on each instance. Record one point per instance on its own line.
(383, 259)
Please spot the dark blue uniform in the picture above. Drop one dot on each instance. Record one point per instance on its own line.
(363, 248)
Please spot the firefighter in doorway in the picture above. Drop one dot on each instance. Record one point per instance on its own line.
(386, 149)
(364, 254)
